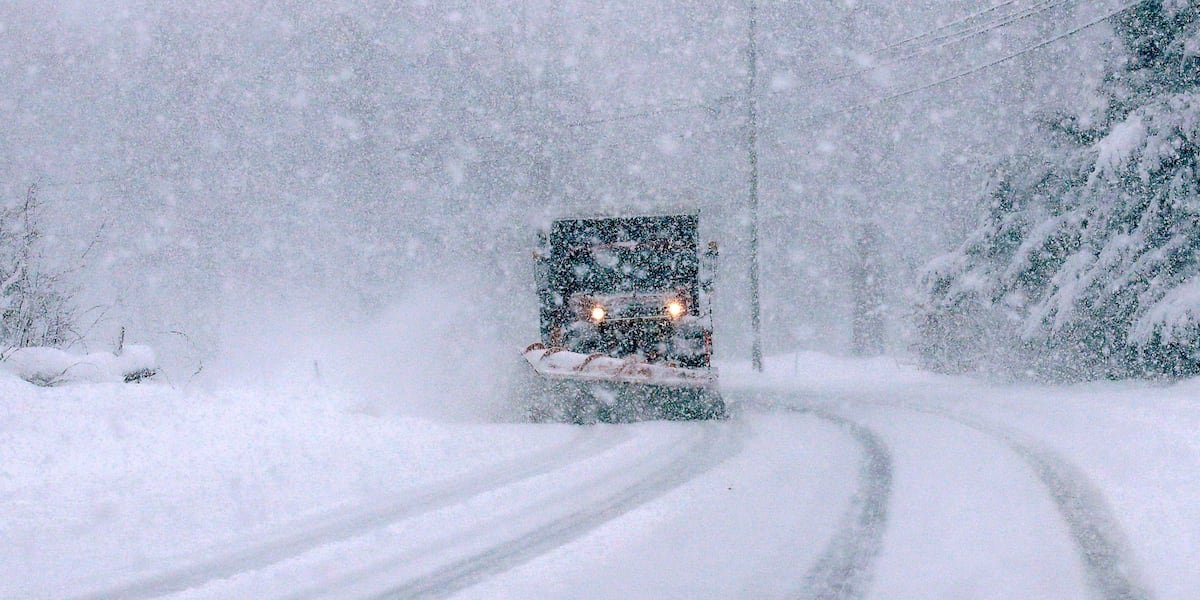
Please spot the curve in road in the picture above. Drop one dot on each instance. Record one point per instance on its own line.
(843, 571)
(1106, 556)
(1108, 562)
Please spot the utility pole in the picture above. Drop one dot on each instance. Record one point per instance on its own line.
(756, 357)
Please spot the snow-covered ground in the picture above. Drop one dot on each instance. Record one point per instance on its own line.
(835, 478)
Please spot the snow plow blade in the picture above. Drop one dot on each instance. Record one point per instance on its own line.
(581, 388)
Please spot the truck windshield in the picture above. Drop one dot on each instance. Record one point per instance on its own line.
(631, 267)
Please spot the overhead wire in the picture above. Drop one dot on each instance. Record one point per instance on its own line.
(669, 106)
(1041, 7)
(933, 32)
(1001, 21)
(592, 147)
(672, 106)
(710, 106)
(948, 40)
(957, 37)
(982, 67)
(944, 27)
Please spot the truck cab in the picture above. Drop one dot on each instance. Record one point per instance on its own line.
(626, 287)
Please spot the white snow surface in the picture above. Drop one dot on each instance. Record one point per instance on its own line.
(866, 473)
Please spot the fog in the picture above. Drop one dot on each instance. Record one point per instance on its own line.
(348, 191)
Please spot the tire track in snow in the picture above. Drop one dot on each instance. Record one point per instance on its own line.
(352, 522)
(718, 442)
(1098, 537)
(843, 571)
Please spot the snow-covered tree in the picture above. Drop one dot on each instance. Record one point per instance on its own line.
(1089, 255)
(35, 305)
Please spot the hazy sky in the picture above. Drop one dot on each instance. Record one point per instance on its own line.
(332, 159)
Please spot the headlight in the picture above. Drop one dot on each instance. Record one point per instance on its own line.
(598, 313)
(675, 309)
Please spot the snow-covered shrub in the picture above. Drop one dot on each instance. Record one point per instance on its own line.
(1087, 261)
(51, 366)
(35, 305)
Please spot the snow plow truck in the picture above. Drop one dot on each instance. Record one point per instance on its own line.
(625, 320)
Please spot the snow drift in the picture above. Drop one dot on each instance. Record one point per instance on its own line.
(51, 366)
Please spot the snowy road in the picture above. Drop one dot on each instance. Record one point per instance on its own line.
(312, 533)
(970, 520)
(1098, 540)
(807, 492)
(434, 543)
(529, 526)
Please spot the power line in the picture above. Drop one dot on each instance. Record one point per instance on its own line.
(931, 32)
(964, 35)
(949, 40)
(83, 182)
(664, 103)
(711, 106)
(949, 25)
(674, 105)
(1002, 21)
(974, 70)
(593, 147)
(670, 106)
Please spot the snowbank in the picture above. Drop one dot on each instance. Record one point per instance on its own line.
(51, 366)
(821, 373)
(102, 481)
